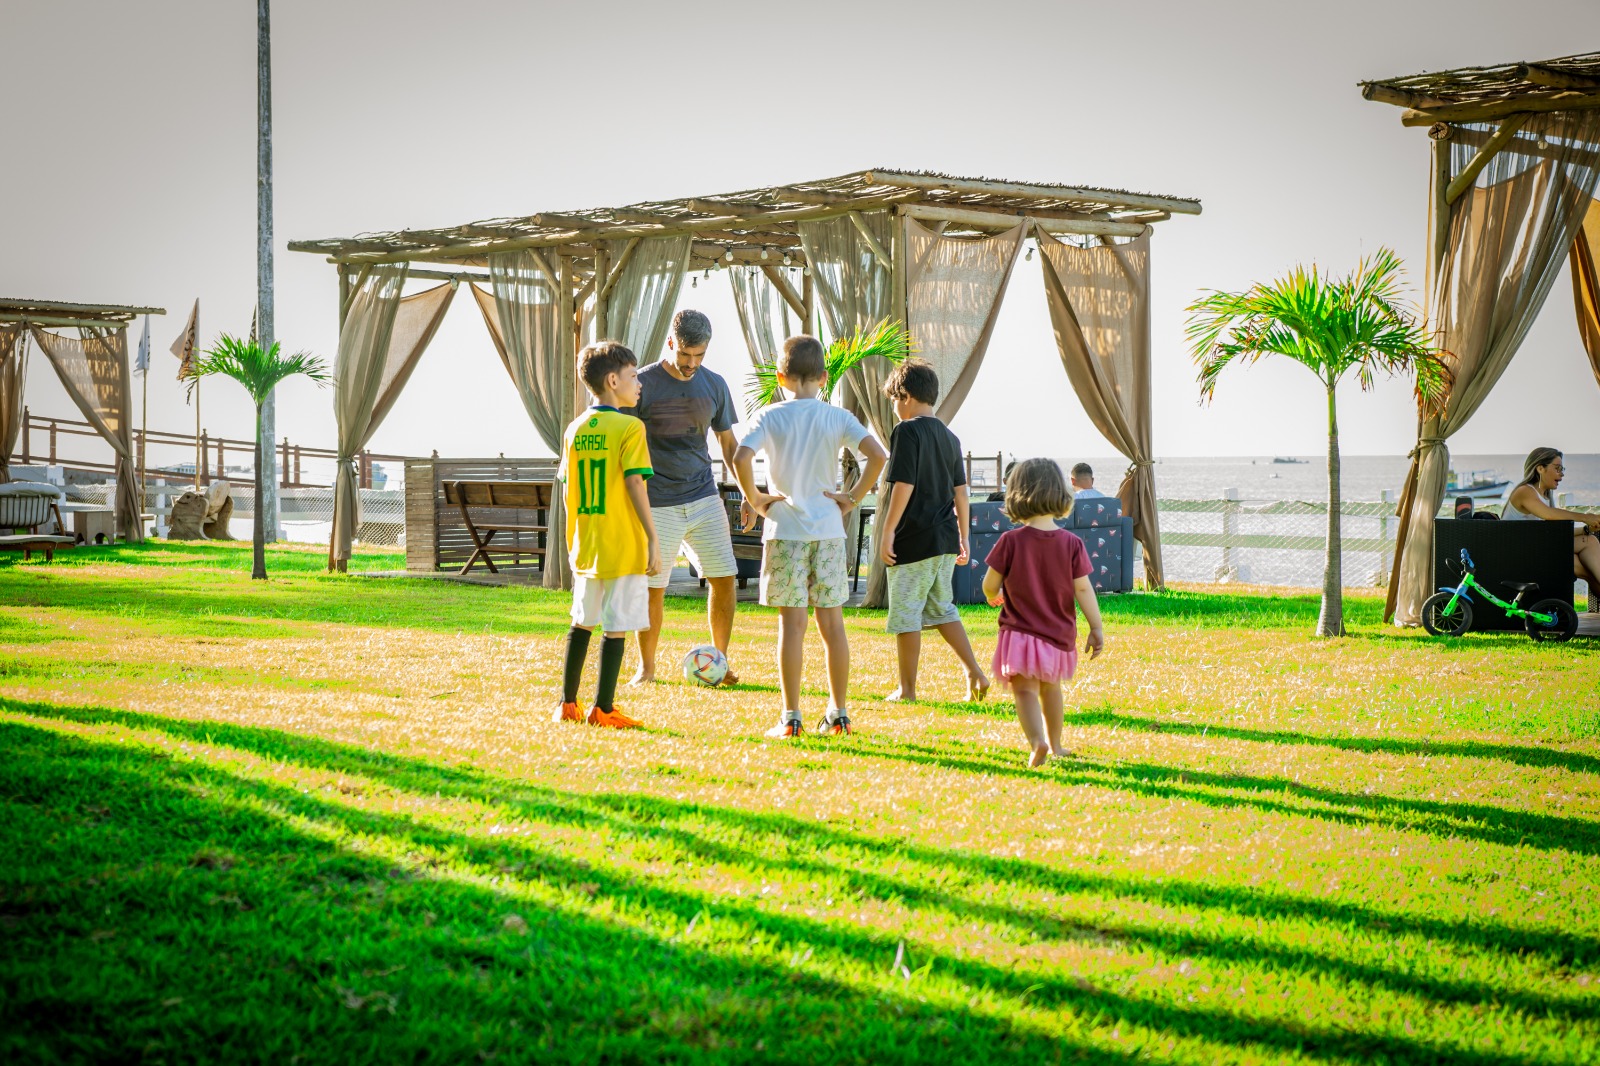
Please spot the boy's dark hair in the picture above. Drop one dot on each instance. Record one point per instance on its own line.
(601, 359)
(917, 379)
(1082, 470)
(1035, 488)
(802, 359)
(691, 329)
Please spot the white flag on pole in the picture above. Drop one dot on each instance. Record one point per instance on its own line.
(141, 362)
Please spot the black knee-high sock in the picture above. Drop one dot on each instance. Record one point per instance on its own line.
(577, 652)
(611, 650)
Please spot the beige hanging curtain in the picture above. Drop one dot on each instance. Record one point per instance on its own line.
(1586, 285)
(538, 349)
(855, 289)
(94, 371)
(383, 337)
(1508, 238)
(1100, 309)
(491, 319)
(953, 290)
(643, 299)
(763, 313)
(853, 278)
(13, 377)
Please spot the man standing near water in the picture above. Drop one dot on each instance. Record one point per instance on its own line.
(679, 401)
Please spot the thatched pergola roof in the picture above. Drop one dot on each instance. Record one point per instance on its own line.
(756, 221)
(58, 314)
(1472, 94)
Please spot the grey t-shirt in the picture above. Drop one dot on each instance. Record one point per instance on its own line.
(676, 416)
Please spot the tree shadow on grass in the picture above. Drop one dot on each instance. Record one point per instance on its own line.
(1521, 755)
(723, 1006)
(1474, 821)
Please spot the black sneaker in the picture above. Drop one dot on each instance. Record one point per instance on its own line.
(834, 725)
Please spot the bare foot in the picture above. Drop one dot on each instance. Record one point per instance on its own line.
(1063, 753)
(898, 696)
(643, 677)
(977, 688)
(1041, 755)
(729, 678)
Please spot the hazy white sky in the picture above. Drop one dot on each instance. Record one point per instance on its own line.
(131, 171)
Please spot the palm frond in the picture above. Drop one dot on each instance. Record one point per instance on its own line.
(256, 368)
(1360, 322)
(887, 340)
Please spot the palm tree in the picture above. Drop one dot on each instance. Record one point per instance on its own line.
(258, 370)
(1330, 326)
(888, 340)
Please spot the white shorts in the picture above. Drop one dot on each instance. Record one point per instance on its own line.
(702, 529)
(613, 604)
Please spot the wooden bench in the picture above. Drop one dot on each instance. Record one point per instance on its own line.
(32, 511)
(500, 496)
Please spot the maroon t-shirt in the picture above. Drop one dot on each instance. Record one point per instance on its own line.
(1038, 568)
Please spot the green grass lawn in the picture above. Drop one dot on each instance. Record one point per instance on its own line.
(327, 818)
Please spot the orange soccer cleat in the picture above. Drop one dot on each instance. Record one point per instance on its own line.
(613, 719)
(568, 712)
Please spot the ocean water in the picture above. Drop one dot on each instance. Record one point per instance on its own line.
(1361, 477)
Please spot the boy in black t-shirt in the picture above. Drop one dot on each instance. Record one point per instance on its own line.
(924, 527)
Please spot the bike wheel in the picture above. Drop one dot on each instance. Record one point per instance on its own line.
(1564, 624)
(1435, 621)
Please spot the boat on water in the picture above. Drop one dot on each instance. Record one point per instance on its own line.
(1286, 459)
(1478, 484)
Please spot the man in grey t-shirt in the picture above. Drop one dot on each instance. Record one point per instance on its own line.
(681, 401)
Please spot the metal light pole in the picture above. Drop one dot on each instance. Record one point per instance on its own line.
(267, 466)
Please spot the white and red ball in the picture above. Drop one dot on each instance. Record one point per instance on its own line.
(705, 665)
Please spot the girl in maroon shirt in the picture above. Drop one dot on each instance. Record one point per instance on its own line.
(1039, 578)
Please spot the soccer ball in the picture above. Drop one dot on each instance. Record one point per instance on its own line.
(705, 665)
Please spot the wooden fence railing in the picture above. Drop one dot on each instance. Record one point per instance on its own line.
(56, 431)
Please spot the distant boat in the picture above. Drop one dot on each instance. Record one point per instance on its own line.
(1479, 484)
(1286, 459)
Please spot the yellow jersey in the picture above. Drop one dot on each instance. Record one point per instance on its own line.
(604, 536)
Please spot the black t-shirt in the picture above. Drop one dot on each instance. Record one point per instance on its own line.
(924, 454)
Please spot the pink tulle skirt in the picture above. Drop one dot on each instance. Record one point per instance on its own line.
(1025, 655)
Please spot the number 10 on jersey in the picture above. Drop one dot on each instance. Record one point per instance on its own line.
(591, 486)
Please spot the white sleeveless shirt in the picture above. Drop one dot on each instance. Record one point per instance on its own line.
(1510, 513)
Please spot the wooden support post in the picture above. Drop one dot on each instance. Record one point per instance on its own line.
(1441, 208)
(26, 458)
(202, 471)
(52, 442)
(602, 321)
(297, 464)
(283, 463)
(897, 274)
(569, 314)
(808, 301)
(222, 469)
(613, 274)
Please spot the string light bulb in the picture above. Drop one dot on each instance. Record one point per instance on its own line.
(1029, 256)
(728, 255)
(694, 283)
(786, 259)
(764, 253)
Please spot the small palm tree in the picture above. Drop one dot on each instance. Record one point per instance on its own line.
(258, 370)
(888, 340)
(1330, 326)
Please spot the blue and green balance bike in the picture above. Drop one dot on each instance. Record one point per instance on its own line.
(1448, 612)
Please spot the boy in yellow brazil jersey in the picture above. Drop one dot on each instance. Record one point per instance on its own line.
(611, 538)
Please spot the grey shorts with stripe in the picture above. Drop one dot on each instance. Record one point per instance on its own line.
(700, 527)
(920, 594)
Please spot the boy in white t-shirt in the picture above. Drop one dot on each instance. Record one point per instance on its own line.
(803, 550)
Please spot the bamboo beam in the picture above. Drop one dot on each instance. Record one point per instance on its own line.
(997, 220)
(1492, 109)
(1556, 79)
(448, 275)
(899, 290)
(715, 208)
(635, 214)
(769, 240)
(490, 247)
(1469, 173)
(552, 273)
(1109, 197)
(614, 273)
(808, 298)
(781, 283)
(602, 273)
(883, 257)
(1387, 94)
(1441, 207)
(81, 310)
(64, 322)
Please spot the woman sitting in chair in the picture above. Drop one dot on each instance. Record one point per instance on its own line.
(1534, 498)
